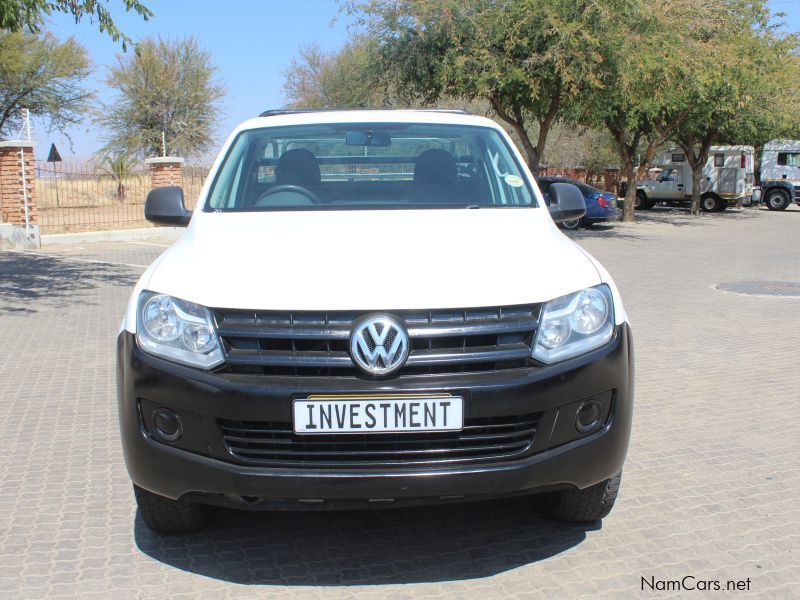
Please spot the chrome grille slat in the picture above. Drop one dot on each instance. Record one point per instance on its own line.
(284, 332)
(317, 343)
(476, 354)
(467, 329)
(279, 359)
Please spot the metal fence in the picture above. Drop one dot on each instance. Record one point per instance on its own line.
(75, 197)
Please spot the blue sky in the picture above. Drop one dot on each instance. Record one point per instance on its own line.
(251, 41)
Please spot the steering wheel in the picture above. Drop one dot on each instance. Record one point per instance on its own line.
(287, 187)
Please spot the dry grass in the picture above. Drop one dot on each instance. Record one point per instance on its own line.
(86, 201)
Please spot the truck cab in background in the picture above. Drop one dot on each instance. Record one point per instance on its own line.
(780, 174)
(728, 178)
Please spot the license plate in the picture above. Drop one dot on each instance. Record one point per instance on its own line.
(378, 414)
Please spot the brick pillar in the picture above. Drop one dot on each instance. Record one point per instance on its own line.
(165, 170)
(611, 180)
(13, 188)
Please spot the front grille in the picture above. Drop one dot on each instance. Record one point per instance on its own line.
(797, 193)
(316, 343)
(495, 439)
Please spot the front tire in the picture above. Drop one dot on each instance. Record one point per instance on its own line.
(163, 515)
(587, 505)
(642, 202)
(777, 199)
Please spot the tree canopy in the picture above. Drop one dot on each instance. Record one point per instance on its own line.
(525, 58)
(647, 71)
(346, 78)
(18, 15)
(44, 75)
(638, 93)
(168, 100)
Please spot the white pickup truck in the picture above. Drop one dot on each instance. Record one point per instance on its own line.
(372, 308)
(728, 178)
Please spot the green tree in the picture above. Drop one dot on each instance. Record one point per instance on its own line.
(44, 75)
(640, 92)
(346, 78)
(748, 64)
(168, 101)
(526, 58)
(17, 15)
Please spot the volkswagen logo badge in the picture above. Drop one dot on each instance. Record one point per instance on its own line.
(379, 345)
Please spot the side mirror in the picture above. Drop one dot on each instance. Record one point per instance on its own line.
(566, 202)
(164, 206)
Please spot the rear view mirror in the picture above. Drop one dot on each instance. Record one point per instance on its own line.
(566, 202)
(165, 206)
(367, 138)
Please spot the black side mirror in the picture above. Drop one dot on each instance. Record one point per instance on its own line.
(566, 202)
(164, 206)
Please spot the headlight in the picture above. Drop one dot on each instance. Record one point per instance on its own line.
(575, 324)
(177, 330)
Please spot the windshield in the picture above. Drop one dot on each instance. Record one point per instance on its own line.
(368, 165)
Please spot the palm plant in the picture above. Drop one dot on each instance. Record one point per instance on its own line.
(117, 166)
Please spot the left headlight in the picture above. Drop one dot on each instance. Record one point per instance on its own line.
(177, 330)
(575, 324)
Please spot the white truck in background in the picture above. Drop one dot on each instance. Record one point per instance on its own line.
(780, 174)
(728, 178)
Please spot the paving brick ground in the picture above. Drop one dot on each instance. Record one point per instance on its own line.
(711, 488)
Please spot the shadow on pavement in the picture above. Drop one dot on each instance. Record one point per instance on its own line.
(382, 546)
(678, 217)
(606, 230)
(29, 282)
(682, 217)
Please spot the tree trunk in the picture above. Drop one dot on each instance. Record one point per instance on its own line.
(696, 152)
(630, 193)
(697, 161)
(697, 178)
(627, 154)
(544, 127)
(530, 149)
(518, 124)
(541, 142)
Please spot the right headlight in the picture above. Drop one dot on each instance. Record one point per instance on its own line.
(575, 324)
(177, 330)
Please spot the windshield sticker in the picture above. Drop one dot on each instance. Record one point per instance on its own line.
(514, 181)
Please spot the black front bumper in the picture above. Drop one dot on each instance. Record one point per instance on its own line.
(199, 465)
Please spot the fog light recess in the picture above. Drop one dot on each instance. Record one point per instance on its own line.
(587, 419)
(167, 425)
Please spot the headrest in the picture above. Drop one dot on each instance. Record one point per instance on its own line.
(435, 167)
(297, 167)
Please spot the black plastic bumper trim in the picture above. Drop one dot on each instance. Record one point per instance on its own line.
(202, 397)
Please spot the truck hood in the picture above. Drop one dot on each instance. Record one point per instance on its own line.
(372, 260)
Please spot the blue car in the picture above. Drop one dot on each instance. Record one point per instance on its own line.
(600, 206)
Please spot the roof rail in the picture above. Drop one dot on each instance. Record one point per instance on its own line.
(294, 111)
